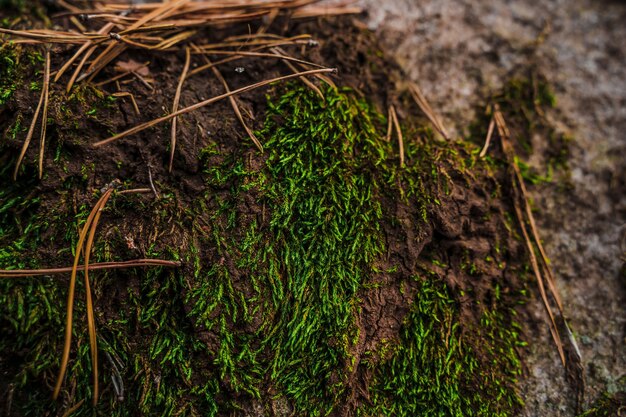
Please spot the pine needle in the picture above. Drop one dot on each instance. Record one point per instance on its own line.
(205, 103)
(394, 118)
(233, 103)
(70, 297)
(422, 103)
(44, 117)
(31, 129)
(91, 324)
(179, 89)
(533, 240)
(21, 273)
(316, 90)
(483, 152)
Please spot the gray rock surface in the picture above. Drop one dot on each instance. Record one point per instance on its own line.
(456, 50)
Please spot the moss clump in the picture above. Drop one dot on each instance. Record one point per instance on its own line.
(525, 100)
(305, 263)
(278, 254)
(9, 60)
(434, 369)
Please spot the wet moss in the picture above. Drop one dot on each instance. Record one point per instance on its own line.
(434, 369)
(9, 62)
(264, 310)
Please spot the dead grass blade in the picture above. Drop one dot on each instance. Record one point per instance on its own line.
(31, 129)
(204, 103)
(179, 89)
(44, 116)
(422, 103)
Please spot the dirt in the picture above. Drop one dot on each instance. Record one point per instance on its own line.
(456, 228)
(458, 51)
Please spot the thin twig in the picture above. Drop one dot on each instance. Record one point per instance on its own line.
(204, 103)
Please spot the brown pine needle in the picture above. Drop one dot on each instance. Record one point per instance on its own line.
(70, 297)
(132, 99)
(233, 103)
(533, 261)
(73, 408)
(79, 68)
(105, 29)
(204, 103)
(528, 209)
(44, 117)
(308, 83)
(483, 152)
(277, 55)
(240, 54)
(115, 49)
(91, 324)
(21, 273)
(394, 118)
(423, 104)
(179, 89)
(31, 129)
(389, 125)
(533, 240)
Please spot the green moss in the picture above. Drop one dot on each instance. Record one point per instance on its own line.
(9, 59)
(609, 404)
(265, 309)
(525, 100)
(434, 370)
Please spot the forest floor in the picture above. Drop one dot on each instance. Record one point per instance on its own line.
(318, 275)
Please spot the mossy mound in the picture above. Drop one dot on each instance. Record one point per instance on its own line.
(318, 278)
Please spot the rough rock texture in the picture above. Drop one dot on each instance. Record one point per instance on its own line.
(457, 51)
